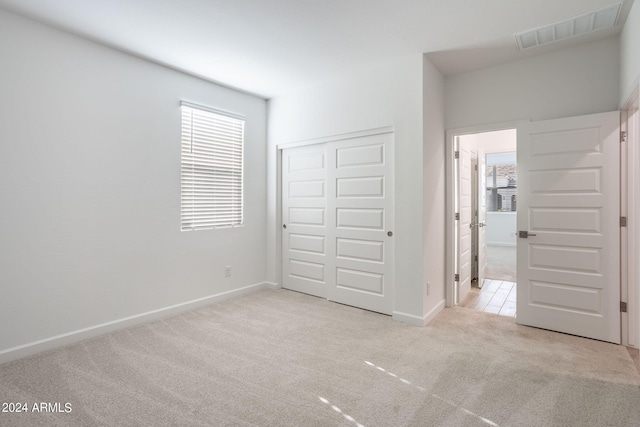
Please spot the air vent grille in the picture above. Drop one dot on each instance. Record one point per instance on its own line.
(572, 27)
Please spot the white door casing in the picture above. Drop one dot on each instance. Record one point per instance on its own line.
(344, 249)
(568, 200)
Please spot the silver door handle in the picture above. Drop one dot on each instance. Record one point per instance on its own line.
(482, 224)
(525, 234)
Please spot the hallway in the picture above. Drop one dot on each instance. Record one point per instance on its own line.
(495, 296)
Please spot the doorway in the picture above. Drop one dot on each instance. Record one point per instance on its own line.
(486, 201)
(568, 222)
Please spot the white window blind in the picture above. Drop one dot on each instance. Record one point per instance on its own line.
(211, 169)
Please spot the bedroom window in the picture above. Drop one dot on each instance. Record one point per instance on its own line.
(211, 168)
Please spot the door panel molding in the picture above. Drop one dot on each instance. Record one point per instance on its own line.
(569, 202)
(337, 206)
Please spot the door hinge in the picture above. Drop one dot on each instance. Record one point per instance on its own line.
(623, 136)
(456, 155)
(457, 216)
(623, 307)
(476, 258)
(456, 277)
(623, 221)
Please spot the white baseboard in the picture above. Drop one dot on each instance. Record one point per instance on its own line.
(50, 343)
(434, 312)
(417, 320)
(272, 285)
(408, 318)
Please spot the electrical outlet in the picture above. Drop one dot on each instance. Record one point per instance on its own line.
(227, 271)
(428, 288)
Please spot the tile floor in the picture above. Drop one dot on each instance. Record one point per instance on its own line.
(495, 296)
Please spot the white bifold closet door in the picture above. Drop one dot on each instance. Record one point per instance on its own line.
(337, 209)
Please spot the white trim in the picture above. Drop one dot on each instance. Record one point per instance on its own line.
(450, 223)
(467, 130)
(419, 321)
(510, 245)
(272, 285)
(408, 318)
(212, 110)
(450, 247)
(50, 343)
(632, 90)
(339, 137)
(279, 223)
(630, 274)
(434, 312)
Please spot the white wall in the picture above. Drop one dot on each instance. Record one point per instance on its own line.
(90, 188)
(434, 241)
(571, 82)
(630, 54)
(389, 94)
(501, 141)
(501, 228)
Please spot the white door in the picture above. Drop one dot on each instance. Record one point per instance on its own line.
(482, 215)
(474, 215)
(337, 207)
(304, 213)
(568, 202)
(465, 207)
(361, 221)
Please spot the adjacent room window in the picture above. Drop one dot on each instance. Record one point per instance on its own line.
(502, 182)
(211, 168)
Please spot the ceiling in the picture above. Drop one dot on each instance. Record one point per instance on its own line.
(270, 47)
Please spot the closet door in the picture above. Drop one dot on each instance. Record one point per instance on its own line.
(361, 222)
(304, 213)
(337, 208)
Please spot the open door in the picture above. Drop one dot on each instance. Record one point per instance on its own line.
(482, 215)
(465, 224)
(568, 222)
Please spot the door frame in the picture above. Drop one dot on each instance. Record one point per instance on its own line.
(630, 253)
(450, 182)
(630, 207)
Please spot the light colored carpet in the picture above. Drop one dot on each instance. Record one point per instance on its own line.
(501, 263)
(279, 358)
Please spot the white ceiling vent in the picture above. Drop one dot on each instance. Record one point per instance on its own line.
(572, 27)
